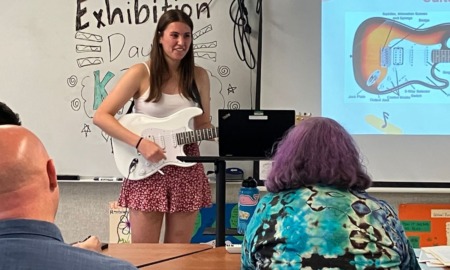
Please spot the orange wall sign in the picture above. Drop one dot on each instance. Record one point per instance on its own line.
(426, 224)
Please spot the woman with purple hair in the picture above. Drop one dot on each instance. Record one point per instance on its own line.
(317, 214)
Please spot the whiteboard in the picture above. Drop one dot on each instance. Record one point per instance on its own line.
(61, 58)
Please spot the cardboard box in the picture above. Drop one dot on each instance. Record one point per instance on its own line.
(119, 224)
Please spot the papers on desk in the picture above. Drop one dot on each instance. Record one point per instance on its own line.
(437, 256)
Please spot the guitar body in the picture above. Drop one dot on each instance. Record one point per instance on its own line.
(163, 132)
(388, 55)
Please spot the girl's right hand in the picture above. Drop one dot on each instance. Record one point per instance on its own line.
(151, 151)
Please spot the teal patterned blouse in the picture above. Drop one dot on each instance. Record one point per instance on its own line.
(322, 227)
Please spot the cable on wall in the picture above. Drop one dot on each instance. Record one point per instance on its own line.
(241, 32)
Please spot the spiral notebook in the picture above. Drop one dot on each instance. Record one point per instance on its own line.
(252, 133)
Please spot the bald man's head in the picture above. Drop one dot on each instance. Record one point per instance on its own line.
(27, 175)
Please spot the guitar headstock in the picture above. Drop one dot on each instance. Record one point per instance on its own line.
(302, 116)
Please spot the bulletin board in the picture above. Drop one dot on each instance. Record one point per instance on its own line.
(426, 224)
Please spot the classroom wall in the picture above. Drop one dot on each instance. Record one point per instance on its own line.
(84, 206)
(50, 57)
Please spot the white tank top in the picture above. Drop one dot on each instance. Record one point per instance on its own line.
(167, 105)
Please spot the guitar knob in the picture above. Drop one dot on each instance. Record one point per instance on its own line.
(141, 172)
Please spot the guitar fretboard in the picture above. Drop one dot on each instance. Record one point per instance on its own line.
(197, 135)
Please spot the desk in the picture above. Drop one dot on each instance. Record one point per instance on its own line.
(220, 165)
(145, 254)
(211, 259)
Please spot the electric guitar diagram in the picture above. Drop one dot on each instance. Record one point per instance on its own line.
(170, 133)
(389, 55)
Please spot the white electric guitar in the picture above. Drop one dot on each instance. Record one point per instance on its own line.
(170, 133)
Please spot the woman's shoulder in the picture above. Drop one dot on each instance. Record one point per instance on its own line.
(201, 76)
(200, 72)
(141, 68)
(137, 77)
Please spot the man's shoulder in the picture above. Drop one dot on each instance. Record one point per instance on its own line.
(40, 255)
(101, 261)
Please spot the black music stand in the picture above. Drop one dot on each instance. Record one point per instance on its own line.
(220, 167)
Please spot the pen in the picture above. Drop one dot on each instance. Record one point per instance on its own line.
(104, 246)
(86, 239)
(68, 177)
(80, 241)
(108, 179)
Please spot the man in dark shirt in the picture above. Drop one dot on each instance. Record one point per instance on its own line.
(29, 196)
(9, 117)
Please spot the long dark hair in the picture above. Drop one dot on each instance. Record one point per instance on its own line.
(159, 70)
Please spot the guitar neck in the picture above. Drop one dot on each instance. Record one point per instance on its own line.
(197, 135)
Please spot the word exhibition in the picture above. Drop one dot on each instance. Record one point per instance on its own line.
(133, 12)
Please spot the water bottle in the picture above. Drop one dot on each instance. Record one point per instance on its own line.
(248, 199)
